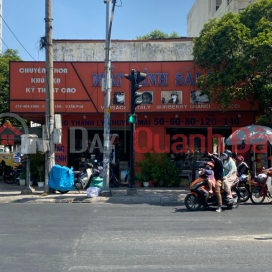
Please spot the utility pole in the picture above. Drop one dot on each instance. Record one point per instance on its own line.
(50, 156)
(107, 143)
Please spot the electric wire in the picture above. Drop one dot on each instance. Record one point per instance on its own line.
(16, 37)
(4, 43)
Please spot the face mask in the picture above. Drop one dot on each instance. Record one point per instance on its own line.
(174, 97)
(120, 98)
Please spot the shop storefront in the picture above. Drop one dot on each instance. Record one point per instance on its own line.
(174, 110)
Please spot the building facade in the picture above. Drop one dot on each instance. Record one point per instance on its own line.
(174, 109)
(202, 11)
(122, 50)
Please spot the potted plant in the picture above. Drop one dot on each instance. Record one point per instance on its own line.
(165, 172)
(138, 180)
(22, 178)
(147, 165)
(143, 178)
(41, 170)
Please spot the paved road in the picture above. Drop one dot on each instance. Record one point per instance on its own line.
(133, 237)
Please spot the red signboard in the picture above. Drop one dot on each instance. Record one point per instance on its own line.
(168, 87)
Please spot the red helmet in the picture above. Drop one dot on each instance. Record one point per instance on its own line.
(210, 164)
(240, 158)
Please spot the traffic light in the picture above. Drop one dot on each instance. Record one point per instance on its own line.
(132, 118)
(134, 87)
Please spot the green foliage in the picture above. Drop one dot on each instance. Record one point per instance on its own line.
(22, 175)
(41, 170)
(158, 167)
(237, 49)
(147, 165)
(157, 34)
(9, 55)
(37, 166)
(142, 177)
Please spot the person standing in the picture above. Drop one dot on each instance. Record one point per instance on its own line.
(218, 175)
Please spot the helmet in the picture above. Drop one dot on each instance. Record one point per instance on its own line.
(215, 154)
(227, 152)
(210, 163)
(240, 158)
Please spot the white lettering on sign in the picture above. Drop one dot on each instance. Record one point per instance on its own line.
(71, 106)
(68, 90)
(116, 107)
(200, 106)
(42, 70)
(42, 80)
(171, 107)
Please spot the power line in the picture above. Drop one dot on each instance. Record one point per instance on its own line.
(4, 43)
(16, 38)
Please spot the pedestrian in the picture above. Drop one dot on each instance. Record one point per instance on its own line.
(218, 175)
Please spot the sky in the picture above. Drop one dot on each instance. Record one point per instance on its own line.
(86, 20)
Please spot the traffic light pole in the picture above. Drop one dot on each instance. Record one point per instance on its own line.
(132, 189)
(135, 85)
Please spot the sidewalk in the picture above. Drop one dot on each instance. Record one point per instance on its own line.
(11, 193)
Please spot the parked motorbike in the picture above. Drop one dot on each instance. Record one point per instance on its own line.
(82, 179)
(198, 192)
(262, 187)
(244, 186)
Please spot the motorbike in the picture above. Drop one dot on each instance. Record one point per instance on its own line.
(199, 190)
(244, 186)
(82, 179)
(262, 187)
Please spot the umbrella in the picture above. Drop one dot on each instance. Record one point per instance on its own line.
(253, 131)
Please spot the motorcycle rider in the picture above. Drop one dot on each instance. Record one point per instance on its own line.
(242, 167)
(218, 175)
(230, 169)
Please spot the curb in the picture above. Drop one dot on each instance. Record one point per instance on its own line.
(111, 200)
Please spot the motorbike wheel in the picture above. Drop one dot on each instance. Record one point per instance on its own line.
(244, 193)
(255, 196)
(16, 178)
(8, 179)
(191, 202)
(236, 199)
(63, 192)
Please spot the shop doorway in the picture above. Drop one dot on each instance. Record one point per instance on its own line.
(94, 152)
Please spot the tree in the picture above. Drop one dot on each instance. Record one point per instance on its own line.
(157, 34)
(236, 54)
(9, 55)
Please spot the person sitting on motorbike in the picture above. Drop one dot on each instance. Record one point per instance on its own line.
(210, 174)
(218, 174)
(242, 167)
(230, 169)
